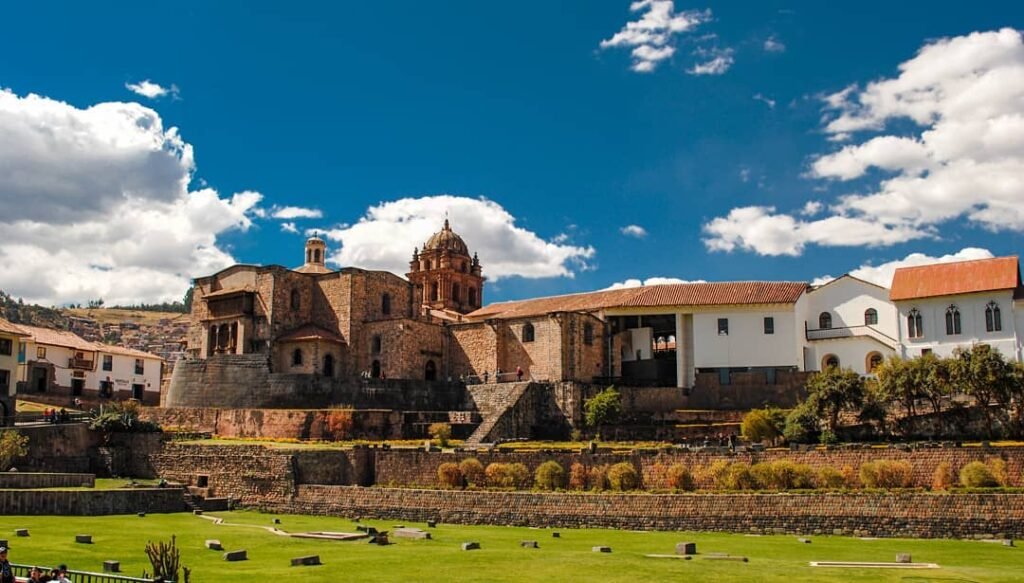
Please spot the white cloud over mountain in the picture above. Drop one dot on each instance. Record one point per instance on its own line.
(97, 204)
(386, 235)
(964, 158)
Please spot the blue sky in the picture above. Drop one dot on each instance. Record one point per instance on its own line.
(342, 107)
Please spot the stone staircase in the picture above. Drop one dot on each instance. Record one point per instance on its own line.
(495, 402)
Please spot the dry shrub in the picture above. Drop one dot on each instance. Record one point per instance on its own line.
(887, 474)
(999, 472)
(473, 472)
(679, 477)
(340, 423)
(782, 475)
(713, 473)
(943, 477)
(449, 475)
(499, 475)
(623, 476)
(549, 476)
(850, 476)
(597, 477)
(978, 475)
(520, 475)
(442, 432)
(737, 476)
(577, 476)
(830, 478)
(657, 476)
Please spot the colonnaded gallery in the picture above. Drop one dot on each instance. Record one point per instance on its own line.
(313, 327)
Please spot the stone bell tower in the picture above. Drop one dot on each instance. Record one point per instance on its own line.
(316, 256)
(445, 275)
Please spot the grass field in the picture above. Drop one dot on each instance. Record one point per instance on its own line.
(569, 558)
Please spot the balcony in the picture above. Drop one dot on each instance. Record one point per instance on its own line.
(80, 363)
(848, 332)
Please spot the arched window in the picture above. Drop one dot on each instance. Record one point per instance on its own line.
(385, 304)
(588, 334)
(297, 357)
(434, 295)
(993, 318)
(527, 332)
(455, 292)
(870, 317)
(915, 324)
(825, 320)
(309, 256)
(329, 366)
(316, 256)
(872, 362)
(830, 361)
(296, 299)
(375, 345)
(952, 320)
(472, 296)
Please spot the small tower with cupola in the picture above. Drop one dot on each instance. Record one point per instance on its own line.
(445, 275)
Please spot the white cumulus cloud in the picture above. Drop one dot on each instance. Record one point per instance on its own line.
(295, 212)
(96, 203)
(634, 231)
(651, 35)
(963, 157)
(717, 62)
(385, 236)
(633, 282)
(289, 227)
(882, 274)
(151, 90)
(774, 45)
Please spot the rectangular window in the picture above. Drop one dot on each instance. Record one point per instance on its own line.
(6, 346)
(108, 362)
(139, 366)
(769, 325)
(925, 351)
(723, 326)
(40, 352)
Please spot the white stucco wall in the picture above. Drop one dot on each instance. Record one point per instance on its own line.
(851, 352)
(972, 324)
(123, 374)
(847, 299)
(9, 363)
(746, 344)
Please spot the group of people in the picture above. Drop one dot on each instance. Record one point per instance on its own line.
(36, 574)
(51, 415)
(486, 377)
(367, 375)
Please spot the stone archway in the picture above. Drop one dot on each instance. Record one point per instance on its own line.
(328, 370)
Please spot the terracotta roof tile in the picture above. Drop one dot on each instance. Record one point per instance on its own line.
(666, 295)
(311, 332)
(961, 277)
(9, 328)
(59, 338)
(112, 349)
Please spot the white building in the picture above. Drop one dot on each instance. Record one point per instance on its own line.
(948, 305)
(58, 362)
(10, 338)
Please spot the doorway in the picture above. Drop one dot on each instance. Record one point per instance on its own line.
(138, 391)
(77, 386)
(40, 378)
(430, 371)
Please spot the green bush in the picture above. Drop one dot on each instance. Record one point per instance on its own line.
(978, 475)
(520, 475)
(597, 477)
(887, 474)
(763, 425)
(830, 478)
(122, 417)
(801, 424)
(737, 476)
(603, 409)
(549, 476)
(442, 432)
(13, 445)
(449, 475)
(782, 475)
(623, 476)
(473, 472)
(679, 477)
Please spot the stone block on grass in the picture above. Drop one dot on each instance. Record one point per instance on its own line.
(529, 544)
(471, 546)
(686, 548)
(806, 541)
(903, 558)
(431, 523)
(556, 534)
(601, 549)
(85, 539)
(277, 521)
(142, 515)
(306, 561)
(214, 544)
(233, 556)
(21, 532)
(413, 533)
(197, 512)
(111, 566)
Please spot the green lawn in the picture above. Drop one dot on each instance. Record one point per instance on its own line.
(569, 558)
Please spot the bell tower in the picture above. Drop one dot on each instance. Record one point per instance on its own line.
(316, 256)
(445, 275)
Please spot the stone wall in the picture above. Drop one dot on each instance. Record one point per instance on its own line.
(279, 423)
(748, 390)
(913, 514)
(56, 448)
(90, 502)
(254, 475)
(29, 480)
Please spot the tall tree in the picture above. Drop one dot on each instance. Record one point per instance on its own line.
(834, 390)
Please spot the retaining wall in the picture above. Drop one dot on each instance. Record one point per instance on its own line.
(28, 480)
(919, 515)
(90, 503)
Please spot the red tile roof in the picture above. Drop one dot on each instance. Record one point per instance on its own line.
(311, 332)
(961, 277)
(9, 328)
(59, 338)
(653, 296)
(112, 349)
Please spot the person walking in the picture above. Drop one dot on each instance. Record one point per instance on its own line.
(519, 374)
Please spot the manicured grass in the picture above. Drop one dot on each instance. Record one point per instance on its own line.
(569, 558)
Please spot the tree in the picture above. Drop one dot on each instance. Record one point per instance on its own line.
(933, 379)
(442, 432)
(897, 383)
(13, 445)
(986, 376)
(834, 390)
(603, 409)
(875, 408)
(801, 424)
(763, 424)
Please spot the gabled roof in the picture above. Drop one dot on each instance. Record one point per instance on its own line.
(311, 332)
(961, 277)
(848, 277)
(8, 328)
(666, 295)
(59, 338)
(112, 349)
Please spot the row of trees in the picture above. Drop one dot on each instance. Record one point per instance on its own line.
(902, 391)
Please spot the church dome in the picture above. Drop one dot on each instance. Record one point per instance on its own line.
(446, 239)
